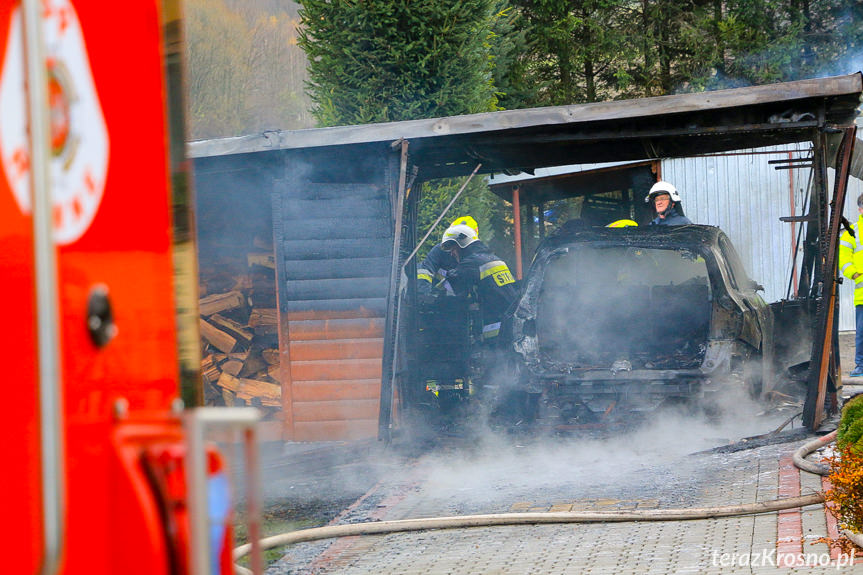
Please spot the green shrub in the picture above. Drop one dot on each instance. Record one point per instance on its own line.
(846, 474)
(850, 430)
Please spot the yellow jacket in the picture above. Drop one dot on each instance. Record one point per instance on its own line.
(851, 259)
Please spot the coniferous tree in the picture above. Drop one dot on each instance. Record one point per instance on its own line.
(576, 50)
(783, 40)
(385, 60)
(391, 60)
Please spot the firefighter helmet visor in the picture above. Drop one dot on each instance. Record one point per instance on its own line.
(461, 235)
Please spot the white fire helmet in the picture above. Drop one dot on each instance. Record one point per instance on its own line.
(661, 187)
(461, 234)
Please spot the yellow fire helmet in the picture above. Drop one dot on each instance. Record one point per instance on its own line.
(466, 221)
(622, 224)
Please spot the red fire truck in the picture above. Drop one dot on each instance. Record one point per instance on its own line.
(107, 469)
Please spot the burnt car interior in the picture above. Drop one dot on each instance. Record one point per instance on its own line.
(599, 304)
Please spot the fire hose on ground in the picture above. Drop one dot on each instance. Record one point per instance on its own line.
(531, 518)
(820, 469)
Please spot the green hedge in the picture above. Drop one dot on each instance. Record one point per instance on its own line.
(850, 431)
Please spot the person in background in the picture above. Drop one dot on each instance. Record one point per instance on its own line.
(432, 271)
(665, 201)
(851, 266)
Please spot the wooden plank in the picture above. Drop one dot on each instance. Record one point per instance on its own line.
(263, 401)
(232, 367)
(337, 349)
(337, 329)
(235, 329)
(217, 338)
(334, 288)
(343, 308)
(318, 269)
(444, 131)
(220, 302)
(271, 356)
(336, 390)
(335, 430)
(334, 370)
(209, 369)
(336, 410)
(253, 364)
(263, 317)
(269, 393)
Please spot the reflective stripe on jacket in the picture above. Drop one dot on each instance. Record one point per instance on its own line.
(851, 259)
(432, 270)
(481, 270)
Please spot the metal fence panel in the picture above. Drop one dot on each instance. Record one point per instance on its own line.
(745, 195)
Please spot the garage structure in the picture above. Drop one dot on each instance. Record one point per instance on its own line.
(343, 307)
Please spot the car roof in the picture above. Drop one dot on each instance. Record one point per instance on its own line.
(692, 235)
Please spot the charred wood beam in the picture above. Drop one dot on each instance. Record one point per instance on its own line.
(411, 384)
(399, 165)
(810, 244)
(499, 152)
(789, 160)
(823, 365)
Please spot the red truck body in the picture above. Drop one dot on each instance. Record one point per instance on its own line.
(121, 439)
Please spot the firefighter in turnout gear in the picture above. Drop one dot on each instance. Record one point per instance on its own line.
(486, 280)
(481, 273)
(667, 205)
(432, 271)
(443, 344)
(851, 266)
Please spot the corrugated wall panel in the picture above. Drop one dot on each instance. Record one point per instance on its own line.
(745, 196)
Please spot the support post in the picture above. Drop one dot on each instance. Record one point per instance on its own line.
(825, 284)
(516, 234)
(385, 414)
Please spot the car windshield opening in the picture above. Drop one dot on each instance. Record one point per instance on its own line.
(649, 306)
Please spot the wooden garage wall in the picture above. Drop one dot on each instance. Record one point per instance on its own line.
(333, 260)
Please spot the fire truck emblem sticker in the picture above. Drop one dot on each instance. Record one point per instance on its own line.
(79, 136)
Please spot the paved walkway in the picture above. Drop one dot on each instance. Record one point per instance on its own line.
(784, 542)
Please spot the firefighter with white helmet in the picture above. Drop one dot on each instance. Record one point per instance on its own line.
(432, 271)
(666, 203)
(485, 279)
(481, 273)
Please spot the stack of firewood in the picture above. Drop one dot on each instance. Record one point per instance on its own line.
(239, 335)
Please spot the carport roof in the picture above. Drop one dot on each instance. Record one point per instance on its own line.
(523, 140)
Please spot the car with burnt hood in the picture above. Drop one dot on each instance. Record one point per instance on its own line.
(613, 321)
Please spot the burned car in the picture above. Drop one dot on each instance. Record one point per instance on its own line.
(625, 320)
